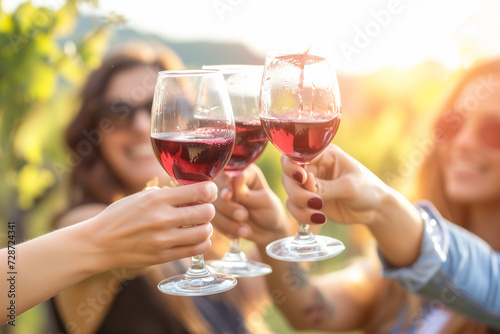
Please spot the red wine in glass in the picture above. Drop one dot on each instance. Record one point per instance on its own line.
(300, 114)
(192, 135)
(194, 156)
(243, 84)
(249, 144)
(301, 140)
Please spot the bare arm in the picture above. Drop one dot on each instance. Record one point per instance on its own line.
(137, 231)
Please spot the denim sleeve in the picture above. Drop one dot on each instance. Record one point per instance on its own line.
(455, 268)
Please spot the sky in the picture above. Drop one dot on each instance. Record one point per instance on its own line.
(359, 35)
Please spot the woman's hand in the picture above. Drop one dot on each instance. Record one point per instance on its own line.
(154, 226)
(334, 184)
(352, 194)
(248, 208)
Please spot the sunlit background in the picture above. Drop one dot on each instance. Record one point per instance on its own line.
(393, 59)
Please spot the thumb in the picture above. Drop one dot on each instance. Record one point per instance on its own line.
(240, 187)
(342, 187)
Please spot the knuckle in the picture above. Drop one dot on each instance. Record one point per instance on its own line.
(202, 247)
(149, 195)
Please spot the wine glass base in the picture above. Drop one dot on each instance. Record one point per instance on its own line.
(291, 250)
(181, 286)
(239, 268)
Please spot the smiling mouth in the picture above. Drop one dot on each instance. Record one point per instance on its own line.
(464, 168)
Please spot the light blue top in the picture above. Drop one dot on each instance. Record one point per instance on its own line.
(455, 268)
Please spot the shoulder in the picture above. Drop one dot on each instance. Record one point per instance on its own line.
(79, 214)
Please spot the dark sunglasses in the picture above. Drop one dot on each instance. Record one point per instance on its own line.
(122, 113)
(451, 123)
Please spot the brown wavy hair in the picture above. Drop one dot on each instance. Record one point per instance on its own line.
(91, 179)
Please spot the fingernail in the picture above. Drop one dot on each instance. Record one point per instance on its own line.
(239, 215)
(318, 218)
(315, 203)
(226, 194)
(297, 176)
(244, 232)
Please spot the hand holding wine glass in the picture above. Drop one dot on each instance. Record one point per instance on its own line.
(243, 85)
(192, 133)
(300, 113)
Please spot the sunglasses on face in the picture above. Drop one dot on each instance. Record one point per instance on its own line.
(450, 124)
(122, 113)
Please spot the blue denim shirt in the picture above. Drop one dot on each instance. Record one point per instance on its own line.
(455, 267)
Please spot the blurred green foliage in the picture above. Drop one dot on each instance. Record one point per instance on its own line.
(34, 70)
(38, 75)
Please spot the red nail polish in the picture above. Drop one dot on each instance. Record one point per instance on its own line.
(297, 176)
(315, 203)
(318, 218)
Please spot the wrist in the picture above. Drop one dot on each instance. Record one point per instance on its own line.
(398, 229)
(392, 209)
(92, 258)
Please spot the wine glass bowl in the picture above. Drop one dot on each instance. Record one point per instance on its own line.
(300, 114)
(243, 85)
(192, 134)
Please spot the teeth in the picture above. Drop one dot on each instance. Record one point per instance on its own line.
(142, 150)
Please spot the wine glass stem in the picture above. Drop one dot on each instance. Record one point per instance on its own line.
(197, 268)
(234, 246)
(304, 233)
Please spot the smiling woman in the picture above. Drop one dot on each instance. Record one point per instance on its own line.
(113, 125)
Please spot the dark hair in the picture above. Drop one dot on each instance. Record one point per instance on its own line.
(91, 178)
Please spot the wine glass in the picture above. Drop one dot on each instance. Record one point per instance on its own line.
(300, 113)
(192, 134)
(243, 84)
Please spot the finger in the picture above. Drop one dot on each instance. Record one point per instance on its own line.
(255, 177)
(226, 193)
(188, 235)
(169, 238)
(252, 188)
(193, 193)
(231, 209)
(305, 215)
(225, 225)
(300, 196)
(223, 182)
(194, 214)
(240, 185)
(179, 252)
(341, 188)
(293, 170)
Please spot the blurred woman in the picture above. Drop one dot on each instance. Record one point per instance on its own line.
(111, 137)
(454, 269)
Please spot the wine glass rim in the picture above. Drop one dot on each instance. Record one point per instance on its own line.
(232, 67)
(187, 72)
(284, 52)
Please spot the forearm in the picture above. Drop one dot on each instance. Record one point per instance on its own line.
(291, 292)
(45, 266)
(398, 229)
